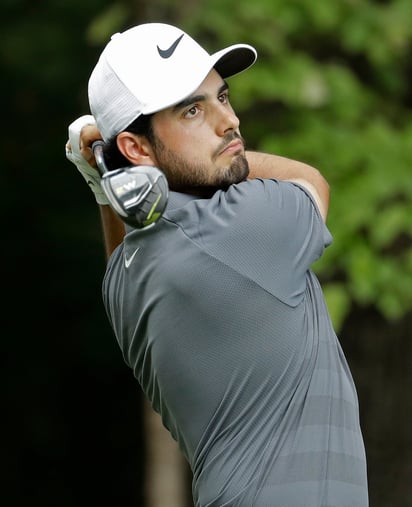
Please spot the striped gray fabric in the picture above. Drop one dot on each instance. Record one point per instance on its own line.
(226, 329)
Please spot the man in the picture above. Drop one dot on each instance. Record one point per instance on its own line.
(215, 307)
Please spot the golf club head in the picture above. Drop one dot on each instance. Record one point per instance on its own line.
(138, 194)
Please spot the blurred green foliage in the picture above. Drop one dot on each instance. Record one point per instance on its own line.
(330, 87)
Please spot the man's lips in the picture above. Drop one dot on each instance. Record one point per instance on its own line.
(232, 147)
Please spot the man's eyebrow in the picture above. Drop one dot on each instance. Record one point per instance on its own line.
(197, 98)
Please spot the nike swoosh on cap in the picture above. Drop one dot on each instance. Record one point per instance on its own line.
(167, 53)
(128, 261)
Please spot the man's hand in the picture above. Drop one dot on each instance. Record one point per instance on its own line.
(82, 134)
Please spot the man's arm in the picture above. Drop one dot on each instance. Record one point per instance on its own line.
(113, 229)
(264, 165)
(112, 225)
(83, 133)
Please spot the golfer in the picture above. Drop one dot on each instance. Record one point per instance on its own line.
(215, 307)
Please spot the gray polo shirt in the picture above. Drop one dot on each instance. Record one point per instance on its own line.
(224, 325)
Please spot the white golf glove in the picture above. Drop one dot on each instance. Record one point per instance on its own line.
(89, 173)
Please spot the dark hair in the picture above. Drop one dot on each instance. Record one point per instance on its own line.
(141, 126)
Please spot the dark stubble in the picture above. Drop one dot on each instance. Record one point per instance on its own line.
(195, 176)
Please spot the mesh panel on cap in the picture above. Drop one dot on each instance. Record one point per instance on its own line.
(111, 103)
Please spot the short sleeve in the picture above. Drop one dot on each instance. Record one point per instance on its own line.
(271, 231)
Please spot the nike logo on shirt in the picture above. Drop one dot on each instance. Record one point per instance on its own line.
(167, 53)
(128, 261)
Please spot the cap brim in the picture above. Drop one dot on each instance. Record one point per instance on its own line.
(234, 59)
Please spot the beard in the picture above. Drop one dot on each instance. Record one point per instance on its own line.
(195, 176)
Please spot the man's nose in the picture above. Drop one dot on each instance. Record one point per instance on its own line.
(227, 120)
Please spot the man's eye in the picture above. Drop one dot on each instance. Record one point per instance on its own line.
(191, 112)
(224, 97)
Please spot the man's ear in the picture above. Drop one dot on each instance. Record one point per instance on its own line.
(135, 148)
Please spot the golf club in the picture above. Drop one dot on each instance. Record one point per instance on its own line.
(138, 194)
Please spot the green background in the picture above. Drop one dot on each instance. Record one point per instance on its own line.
(331, 87)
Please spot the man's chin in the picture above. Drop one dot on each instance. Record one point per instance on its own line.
(239, 169)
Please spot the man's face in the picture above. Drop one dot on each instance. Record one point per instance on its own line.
(197, 142)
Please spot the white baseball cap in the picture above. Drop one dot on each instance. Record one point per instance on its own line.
(151, 67)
